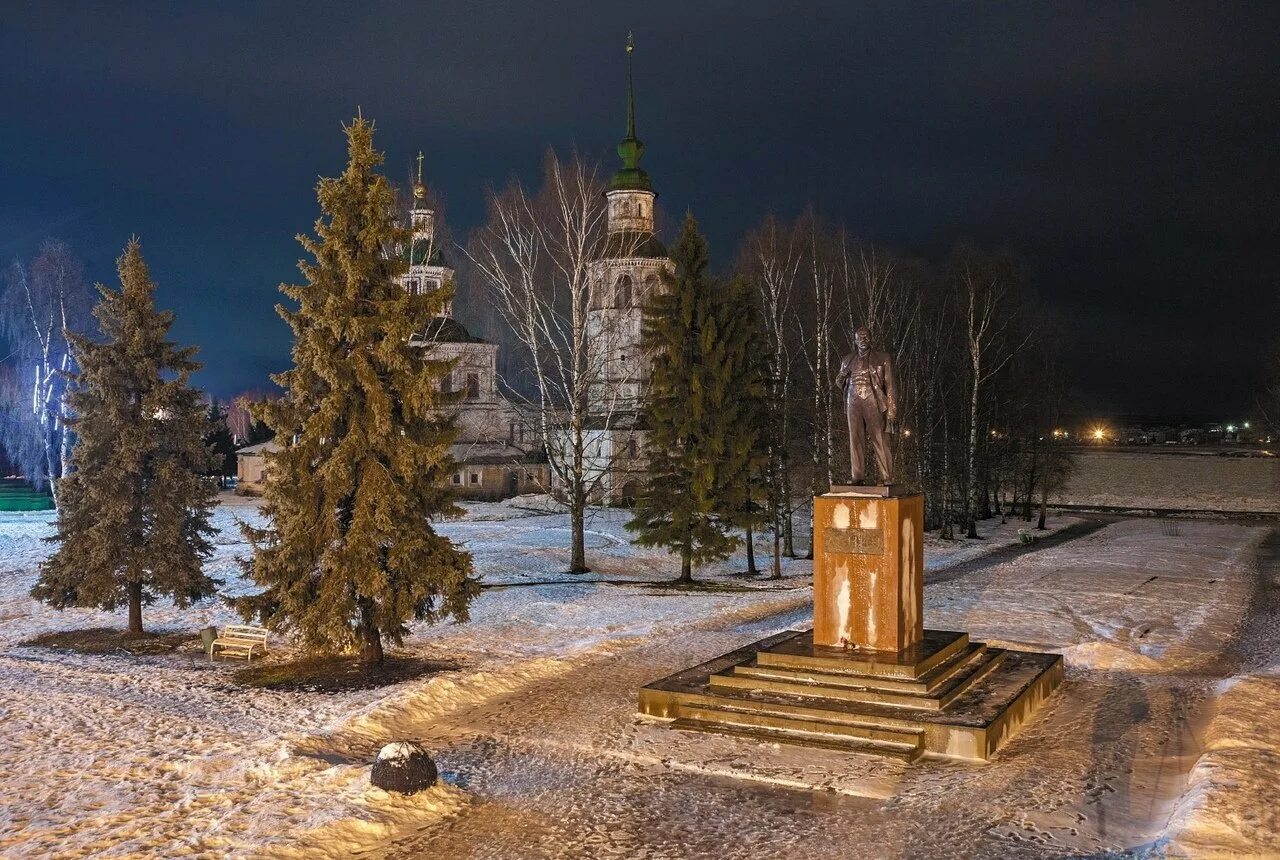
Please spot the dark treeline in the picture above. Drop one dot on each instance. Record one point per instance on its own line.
(979, 389)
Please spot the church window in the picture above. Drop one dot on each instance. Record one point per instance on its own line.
(631, 447)
(622, 293)
(413, 285)
(457, 477)
(475, 477)
(650, 287)
(473, 386)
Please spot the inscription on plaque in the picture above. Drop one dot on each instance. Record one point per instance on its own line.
(856, 541)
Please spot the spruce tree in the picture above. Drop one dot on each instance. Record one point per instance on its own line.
(688, 408)
(134, 520)
(350, 554)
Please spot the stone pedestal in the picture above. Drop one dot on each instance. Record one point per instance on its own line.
(868, 678)
(868, 570)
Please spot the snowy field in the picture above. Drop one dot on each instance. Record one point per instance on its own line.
(1161, 740)
(1178, 480)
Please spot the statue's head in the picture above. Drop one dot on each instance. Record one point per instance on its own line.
(862, 338)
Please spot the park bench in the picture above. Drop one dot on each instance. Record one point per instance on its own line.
(240, 640)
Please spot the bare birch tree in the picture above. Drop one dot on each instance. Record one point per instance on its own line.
(1269, 400)
(815, 321)
(985, 284)
(771, 260)
(538, 257)
(40, 305)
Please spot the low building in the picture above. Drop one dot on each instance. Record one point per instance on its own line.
(490, 471)
(251, 468)
(486, 471)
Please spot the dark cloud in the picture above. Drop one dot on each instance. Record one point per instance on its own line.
(1126, 151)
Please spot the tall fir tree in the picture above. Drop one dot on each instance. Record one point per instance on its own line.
(351, 555)
(691, 500)
(134, 521)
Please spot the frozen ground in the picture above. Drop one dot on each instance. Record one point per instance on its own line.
(1154, 741)
(1197, 479)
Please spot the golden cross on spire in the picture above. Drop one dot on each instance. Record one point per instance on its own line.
(419, 190)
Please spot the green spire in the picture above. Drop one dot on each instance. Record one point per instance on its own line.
(630, 177)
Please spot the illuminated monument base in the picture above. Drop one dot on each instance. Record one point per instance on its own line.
(868, 677)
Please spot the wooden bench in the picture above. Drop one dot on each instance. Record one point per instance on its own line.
(240, 640)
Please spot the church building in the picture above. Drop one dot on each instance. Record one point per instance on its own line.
(495, 457)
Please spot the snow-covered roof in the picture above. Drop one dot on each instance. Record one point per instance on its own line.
(261, 447)
(492, 453)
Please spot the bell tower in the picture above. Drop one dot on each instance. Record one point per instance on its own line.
(427, 270)
(628, 270)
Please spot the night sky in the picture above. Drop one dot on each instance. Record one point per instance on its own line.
(1126, 151)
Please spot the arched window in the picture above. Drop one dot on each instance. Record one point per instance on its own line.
(650, 287)
(622, 292)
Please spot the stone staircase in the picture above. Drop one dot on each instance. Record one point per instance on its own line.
(947, 696)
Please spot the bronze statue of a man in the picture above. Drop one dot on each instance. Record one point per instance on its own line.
(870, 404)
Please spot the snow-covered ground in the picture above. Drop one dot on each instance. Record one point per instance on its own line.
(1152, 741)
(1187, 478)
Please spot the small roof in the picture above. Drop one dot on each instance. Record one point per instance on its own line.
(268, 446)
(492, 453)
(420, 252)
(447, 330)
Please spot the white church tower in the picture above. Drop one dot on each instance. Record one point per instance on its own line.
(427, 270)
(627, 272)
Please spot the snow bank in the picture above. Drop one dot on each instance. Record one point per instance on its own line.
(1109, 657)
(1229, 809)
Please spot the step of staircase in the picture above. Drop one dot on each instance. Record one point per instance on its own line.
(956, 682)
(925, 684)
(763, 735)
(870, 733)
(935, 649)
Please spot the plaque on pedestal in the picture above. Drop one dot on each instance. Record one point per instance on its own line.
(879, 490)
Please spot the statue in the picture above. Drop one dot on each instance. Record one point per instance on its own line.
(870, 404)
